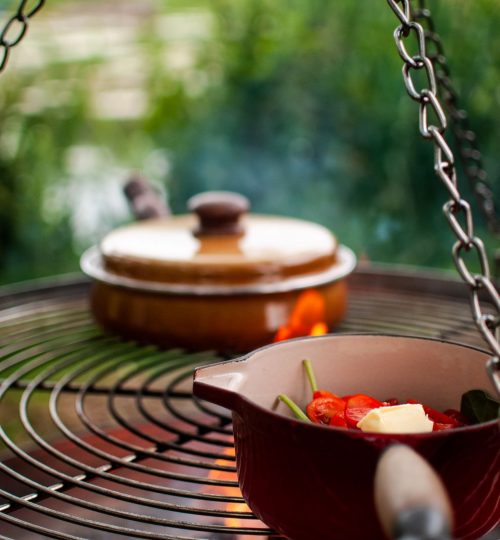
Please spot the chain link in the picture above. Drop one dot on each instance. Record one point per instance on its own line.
(451, 209)
(16, 28)
(429, 70)
(466, 139)
(430, 101)
(399, 33)
(402, 13)
(482, 290)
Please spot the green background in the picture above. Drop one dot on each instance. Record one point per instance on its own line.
(298, 104)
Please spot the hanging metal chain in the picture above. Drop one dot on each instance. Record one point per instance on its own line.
(457, 210)
(16, 28)
(465, 137)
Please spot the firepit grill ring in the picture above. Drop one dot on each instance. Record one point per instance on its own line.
(102, 438)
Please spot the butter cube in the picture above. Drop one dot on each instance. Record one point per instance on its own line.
(407, 418)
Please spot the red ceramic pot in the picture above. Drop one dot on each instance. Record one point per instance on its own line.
(311, 481)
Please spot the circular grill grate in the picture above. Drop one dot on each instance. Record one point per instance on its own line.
(100, 438)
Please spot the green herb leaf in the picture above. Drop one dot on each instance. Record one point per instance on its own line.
(310, 375)
(478, 406)
(297, 411)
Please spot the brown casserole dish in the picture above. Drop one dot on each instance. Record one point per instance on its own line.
(216, 279)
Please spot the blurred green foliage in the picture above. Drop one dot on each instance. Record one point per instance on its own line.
(299, 104)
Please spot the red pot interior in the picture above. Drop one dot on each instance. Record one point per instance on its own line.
(309, 481)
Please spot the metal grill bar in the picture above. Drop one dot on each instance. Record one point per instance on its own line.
(107, 435)
(49, 386)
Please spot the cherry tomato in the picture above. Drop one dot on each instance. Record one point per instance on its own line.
(439, 417)
(339, 421)
(321, 410)
(359, 406)
(324, 393)
(438, 426)
(441, 420)
(457, 416)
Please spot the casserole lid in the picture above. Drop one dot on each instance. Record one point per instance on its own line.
(218, 245)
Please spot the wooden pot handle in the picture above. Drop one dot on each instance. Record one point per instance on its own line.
(410, 499)
(144, 200)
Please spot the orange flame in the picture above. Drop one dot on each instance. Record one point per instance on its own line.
(307, 317)
(229, 491)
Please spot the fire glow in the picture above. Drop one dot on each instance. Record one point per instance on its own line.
(236, 507)
(307, 317)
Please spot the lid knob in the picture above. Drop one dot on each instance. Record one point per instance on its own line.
(218, 212)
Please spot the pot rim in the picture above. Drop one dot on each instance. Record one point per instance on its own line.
(91, 263)
(238, 398)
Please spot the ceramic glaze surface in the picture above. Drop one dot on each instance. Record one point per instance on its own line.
(309, 481)
(218, 279)
(232, 323)
(265, 238)
(231, 317)
(269, 246)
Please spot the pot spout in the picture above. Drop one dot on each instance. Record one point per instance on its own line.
(219, 383)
